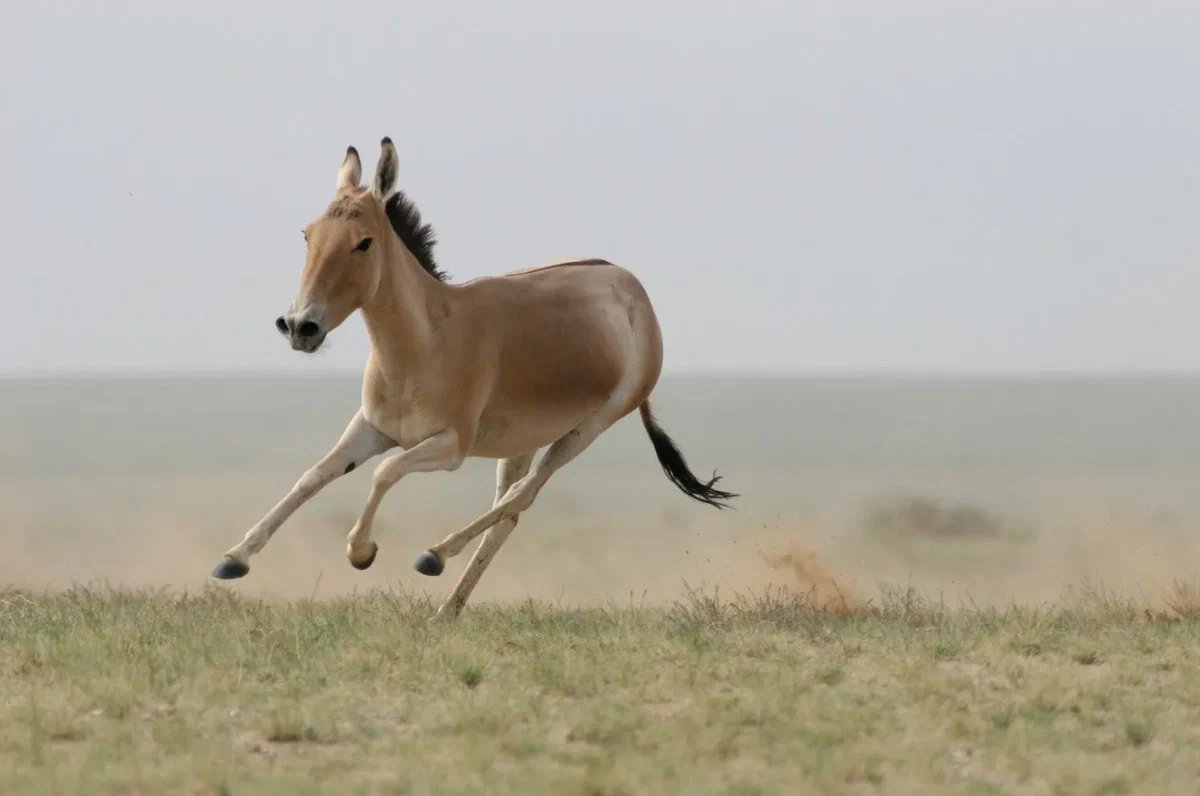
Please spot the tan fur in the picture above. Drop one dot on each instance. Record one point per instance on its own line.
(523, 357)
(496, 367)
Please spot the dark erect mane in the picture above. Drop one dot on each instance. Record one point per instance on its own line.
(418, 237)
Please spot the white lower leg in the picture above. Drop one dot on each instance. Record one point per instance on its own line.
(359, 547)
(492, 540)
(439, 452)
(508, 471)
(359, 443)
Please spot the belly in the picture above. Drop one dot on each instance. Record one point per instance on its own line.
(513, 430)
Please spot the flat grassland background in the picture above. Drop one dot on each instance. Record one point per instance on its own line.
(929, 585)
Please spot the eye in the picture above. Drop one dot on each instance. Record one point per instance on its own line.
(304, 232)
(363, 246)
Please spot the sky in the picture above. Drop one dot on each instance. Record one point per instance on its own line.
(935, 186)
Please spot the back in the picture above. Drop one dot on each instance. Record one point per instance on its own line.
(562, 337)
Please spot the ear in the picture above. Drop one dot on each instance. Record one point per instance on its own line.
(385, 172)
(351, 171)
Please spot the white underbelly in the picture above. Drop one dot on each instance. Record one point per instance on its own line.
(503, 435)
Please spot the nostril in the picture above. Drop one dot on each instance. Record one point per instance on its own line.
(282, 325)
(308, 329)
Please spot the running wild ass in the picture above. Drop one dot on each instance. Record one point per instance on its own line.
(496, 367)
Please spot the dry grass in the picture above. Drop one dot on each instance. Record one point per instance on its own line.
(1184, 599)
(150, 692)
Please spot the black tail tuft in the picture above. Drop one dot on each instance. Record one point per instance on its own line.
(674, 465)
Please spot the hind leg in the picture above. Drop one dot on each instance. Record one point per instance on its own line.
(508, 472)
(522, 494)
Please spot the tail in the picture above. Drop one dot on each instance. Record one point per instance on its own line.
(673, 464)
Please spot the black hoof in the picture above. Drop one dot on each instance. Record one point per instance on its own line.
(369, 560)
(429, 564)
(230, 568)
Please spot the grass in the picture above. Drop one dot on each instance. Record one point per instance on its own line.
(149, 692)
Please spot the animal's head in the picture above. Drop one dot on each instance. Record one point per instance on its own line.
(347, 247)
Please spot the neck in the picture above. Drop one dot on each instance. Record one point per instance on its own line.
(399, 316)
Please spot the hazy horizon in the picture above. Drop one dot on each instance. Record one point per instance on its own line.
(1059, 481)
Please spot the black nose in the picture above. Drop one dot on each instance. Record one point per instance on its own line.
(282, 325)
(308, 329)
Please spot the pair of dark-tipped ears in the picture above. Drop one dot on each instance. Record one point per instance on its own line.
(386, 171)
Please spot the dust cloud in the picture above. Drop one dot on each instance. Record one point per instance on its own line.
(571, 563)
(815, 581)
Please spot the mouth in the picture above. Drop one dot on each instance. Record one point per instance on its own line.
(308, 345)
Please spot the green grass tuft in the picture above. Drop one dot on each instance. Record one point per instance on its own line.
(116, 691)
